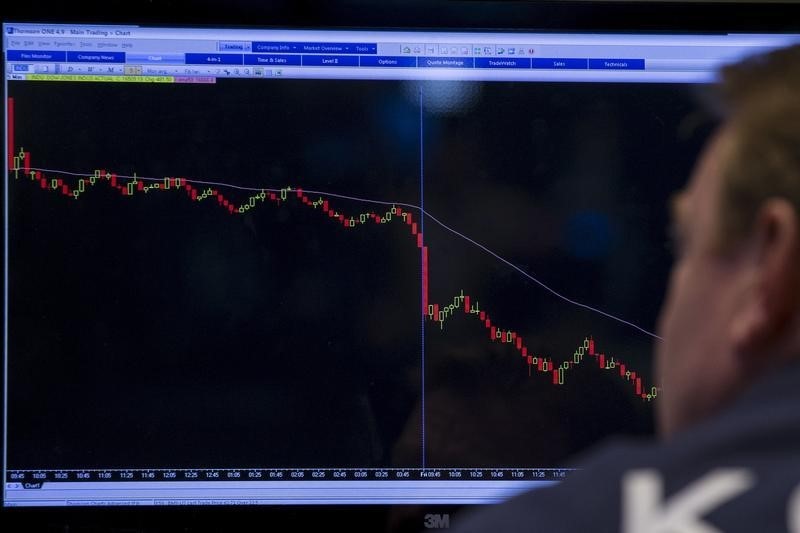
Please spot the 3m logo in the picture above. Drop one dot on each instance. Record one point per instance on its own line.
(437, 521)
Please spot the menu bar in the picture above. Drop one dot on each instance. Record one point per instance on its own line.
(65, 49)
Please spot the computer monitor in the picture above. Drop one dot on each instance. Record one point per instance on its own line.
(318, 267)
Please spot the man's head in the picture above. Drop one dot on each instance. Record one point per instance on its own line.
(733, 305)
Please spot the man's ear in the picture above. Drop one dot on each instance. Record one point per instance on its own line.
(771, 298)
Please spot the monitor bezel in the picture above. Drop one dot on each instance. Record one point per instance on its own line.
(460, 15)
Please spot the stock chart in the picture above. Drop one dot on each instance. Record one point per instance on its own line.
(386, 276)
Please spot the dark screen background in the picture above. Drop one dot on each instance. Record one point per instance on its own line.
(151, 331)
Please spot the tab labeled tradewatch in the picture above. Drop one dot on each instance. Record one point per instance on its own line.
(506, 62)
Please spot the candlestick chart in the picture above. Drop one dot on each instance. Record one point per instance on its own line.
(202, 284)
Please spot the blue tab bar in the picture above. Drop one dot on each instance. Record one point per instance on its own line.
(505, 62)
(271, 59)
(445, 62)
(617, 64)
(214, 59)
(315, 48)
(560, 63)
(173, 59)
(96, 57)
(330, 61)
(388, 61)
(35, 55)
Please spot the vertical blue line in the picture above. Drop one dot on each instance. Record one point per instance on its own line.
(6, 176)
(422, 285)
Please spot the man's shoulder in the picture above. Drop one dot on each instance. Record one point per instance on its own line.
(739, 471)
(628, 486)
(586, 501)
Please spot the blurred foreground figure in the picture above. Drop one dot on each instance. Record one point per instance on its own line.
(729, 363)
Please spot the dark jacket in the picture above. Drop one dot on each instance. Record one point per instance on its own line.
(738, 471)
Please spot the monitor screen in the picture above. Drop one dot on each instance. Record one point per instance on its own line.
(334, 267)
